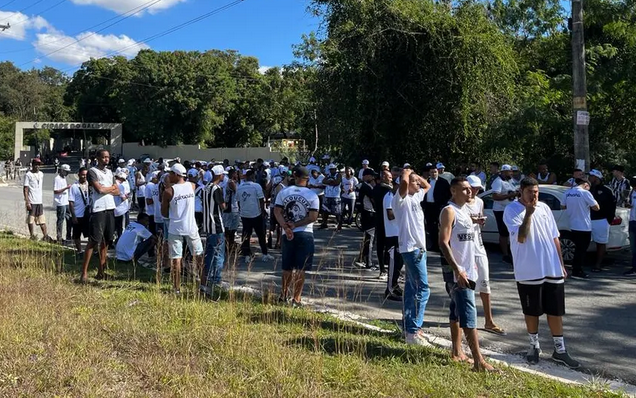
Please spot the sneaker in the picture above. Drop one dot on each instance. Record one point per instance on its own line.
(247, 259)
(580, 275)
(283, 301)
(417, 339)
(360, 264)
(392, 296)
(566, 360)
(631, 272)
(383, 277)
(373, 268)
(267, 257)
(204, 289)
(507, 259)
(533, 355)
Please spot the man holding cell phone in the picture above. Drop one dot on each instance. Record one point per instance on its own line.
(457, 243)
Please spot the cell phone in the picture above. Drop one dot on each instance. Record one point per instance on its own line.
(472, 284)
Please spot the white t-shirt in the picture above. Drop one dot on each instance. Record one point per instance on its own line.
(249, 194)
(349, 187)
(410, 219)
(127, 243)
(332, 191)
(317, 181)
(79, 196)
(502, 187)
(34, 182)
(101, 202)
(632, 200)
(476, 209)
(390, 226)
(121, 204)
(141, 190)
(296, 203)
(150, 187)
(537, 258)
(60, 199)
(578, 202)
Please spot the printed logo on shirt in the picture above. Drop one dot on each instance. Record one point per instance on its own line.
(296, 208)
(182, 197)
(467, 237)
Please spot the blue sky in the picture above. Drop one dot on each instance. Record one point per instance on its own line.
(266, 29)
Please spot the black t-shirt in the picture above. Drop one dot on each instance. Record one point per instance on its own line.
(605, 198)
(212, 202)
(379, 191)
(366, 190)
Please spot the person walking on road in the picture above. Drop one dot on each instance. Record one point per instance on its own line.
(539, 269)
(251, 199)
(33, 180)
(578, 203)
(503, 193)
(60, 198)
(457, 242)
(412, 241)
(602, 219)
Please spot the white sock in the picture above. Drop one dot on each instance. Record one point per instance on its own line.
(534, 340)
(559, 344)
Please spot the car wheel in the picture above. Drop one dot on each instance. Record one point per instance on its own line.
(567, 247)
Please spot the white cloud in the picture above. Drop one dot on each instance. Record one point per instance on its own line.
(121, 6)
(264, 69)
(68, 50)
(20, 24)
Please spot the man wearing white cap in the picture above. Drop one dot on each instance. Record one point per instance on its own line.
(444, 174)
(365, 165)
(332, 203)
(60, 198)
(177, 204)
(475, 207)
(385, 166)
(312, 165)
(578, 203)
(121, 167)
(503, 193)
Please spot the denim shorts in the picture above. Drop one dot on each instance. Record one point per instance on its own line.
(175, 243)
(298, 253)
(462, 306)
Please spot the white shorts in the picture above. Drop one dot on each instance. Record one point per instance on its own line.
(600, 231)
(483, 272)
(175, 243)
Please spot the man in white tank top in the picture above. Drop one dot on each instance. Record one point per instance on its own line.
(177, 204)
(457, 243)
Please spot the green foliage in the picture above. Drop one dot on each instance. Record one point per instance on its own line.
(7, 137)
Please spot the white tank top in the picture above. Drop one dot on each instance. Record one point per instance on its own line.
(462, 241)
(544, 180)
(476, 208)
(181, 213)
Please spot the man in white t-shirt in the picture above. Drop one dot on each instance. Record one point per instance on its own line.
(412, 245)
(539, 269)
(296, 210)
(33, 180)
(365, 165)
(251, 200)
(103, 189)
(503, 193)
(332, 203)
(349, 184)
(578, 203)
(60, 198)
(136, 240)
(391, 248)
(457, 243)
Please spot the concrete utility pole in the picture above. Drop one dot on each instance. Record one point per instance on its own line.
(579, 92)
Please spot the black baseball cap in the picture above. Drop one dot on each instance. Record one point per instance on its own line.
(618, 167)
(368, 172)
(300, 172)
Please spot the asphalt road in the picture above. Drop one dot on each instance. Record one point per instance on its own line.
(599, 325)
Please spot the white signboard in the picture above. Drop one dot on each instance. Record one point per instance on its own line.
(582, 118)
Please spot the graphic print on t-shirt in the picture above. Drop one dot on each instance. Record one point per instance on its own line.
(296, 208)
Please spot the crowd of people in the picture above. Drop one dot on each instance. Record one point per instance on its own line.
(402, 215)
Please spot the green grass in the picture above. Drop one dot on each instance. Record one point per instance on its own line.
(129, 337)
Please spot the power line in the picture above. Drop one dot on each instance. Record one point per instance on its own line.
(41, 12)
(9, 3)
(24, 9)
(94, 33)
(132, 10)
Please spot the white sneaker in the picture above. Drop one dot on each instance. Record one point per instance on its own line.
(360, 264)
(383, 277)
(247, 259)
(417, 339)
(267, 257)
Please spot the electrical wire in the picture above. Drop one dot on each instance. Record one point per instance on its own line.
(8, 4)
(24, 9)
(40, 13)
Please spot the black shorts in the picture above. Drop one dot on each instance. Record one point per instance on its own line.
(102, 226)
(501, 226)
(81, 228)
(198, 218)
(547, 298)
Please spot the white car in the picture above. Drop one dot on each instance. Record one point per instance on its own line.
(552, 195)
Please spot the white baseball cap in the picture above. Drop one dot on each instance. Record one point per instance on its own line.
(331, 166)
(121, 175)
(406, 166)
(506, 167)
(179, 170)
(218, 170)
(121, 161)
(595, 173)
(147, 161)
(515, 168)
(131, 162)
(365, 162)
(193, 173)
(65, 167)
(385, 163)
(440, 166)
(474, 181)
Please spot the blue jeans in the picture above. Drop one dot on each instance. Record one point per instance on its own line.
(462, 306)
(63, 215)
(416, 290)
(214, 257)
(632, 241)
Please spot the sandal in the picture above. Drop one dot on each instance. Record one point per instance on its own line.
(496, 330)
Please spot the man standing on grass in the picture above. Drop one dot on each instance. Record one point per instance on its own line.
(33, 180)
(539, 269)
(79, 207)
(177, 205)
(457, 243)
(296, 211)
(103, 189)
(60, 197)
(412, 240)
(213, 206)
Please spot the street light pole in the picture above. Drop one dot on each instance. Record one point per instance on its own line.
(579, 90)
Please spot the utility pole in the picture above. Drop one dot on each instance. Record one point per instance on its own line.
(579, 90)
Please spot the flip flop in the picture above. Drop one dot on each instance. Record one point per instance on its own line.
(496, 330)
